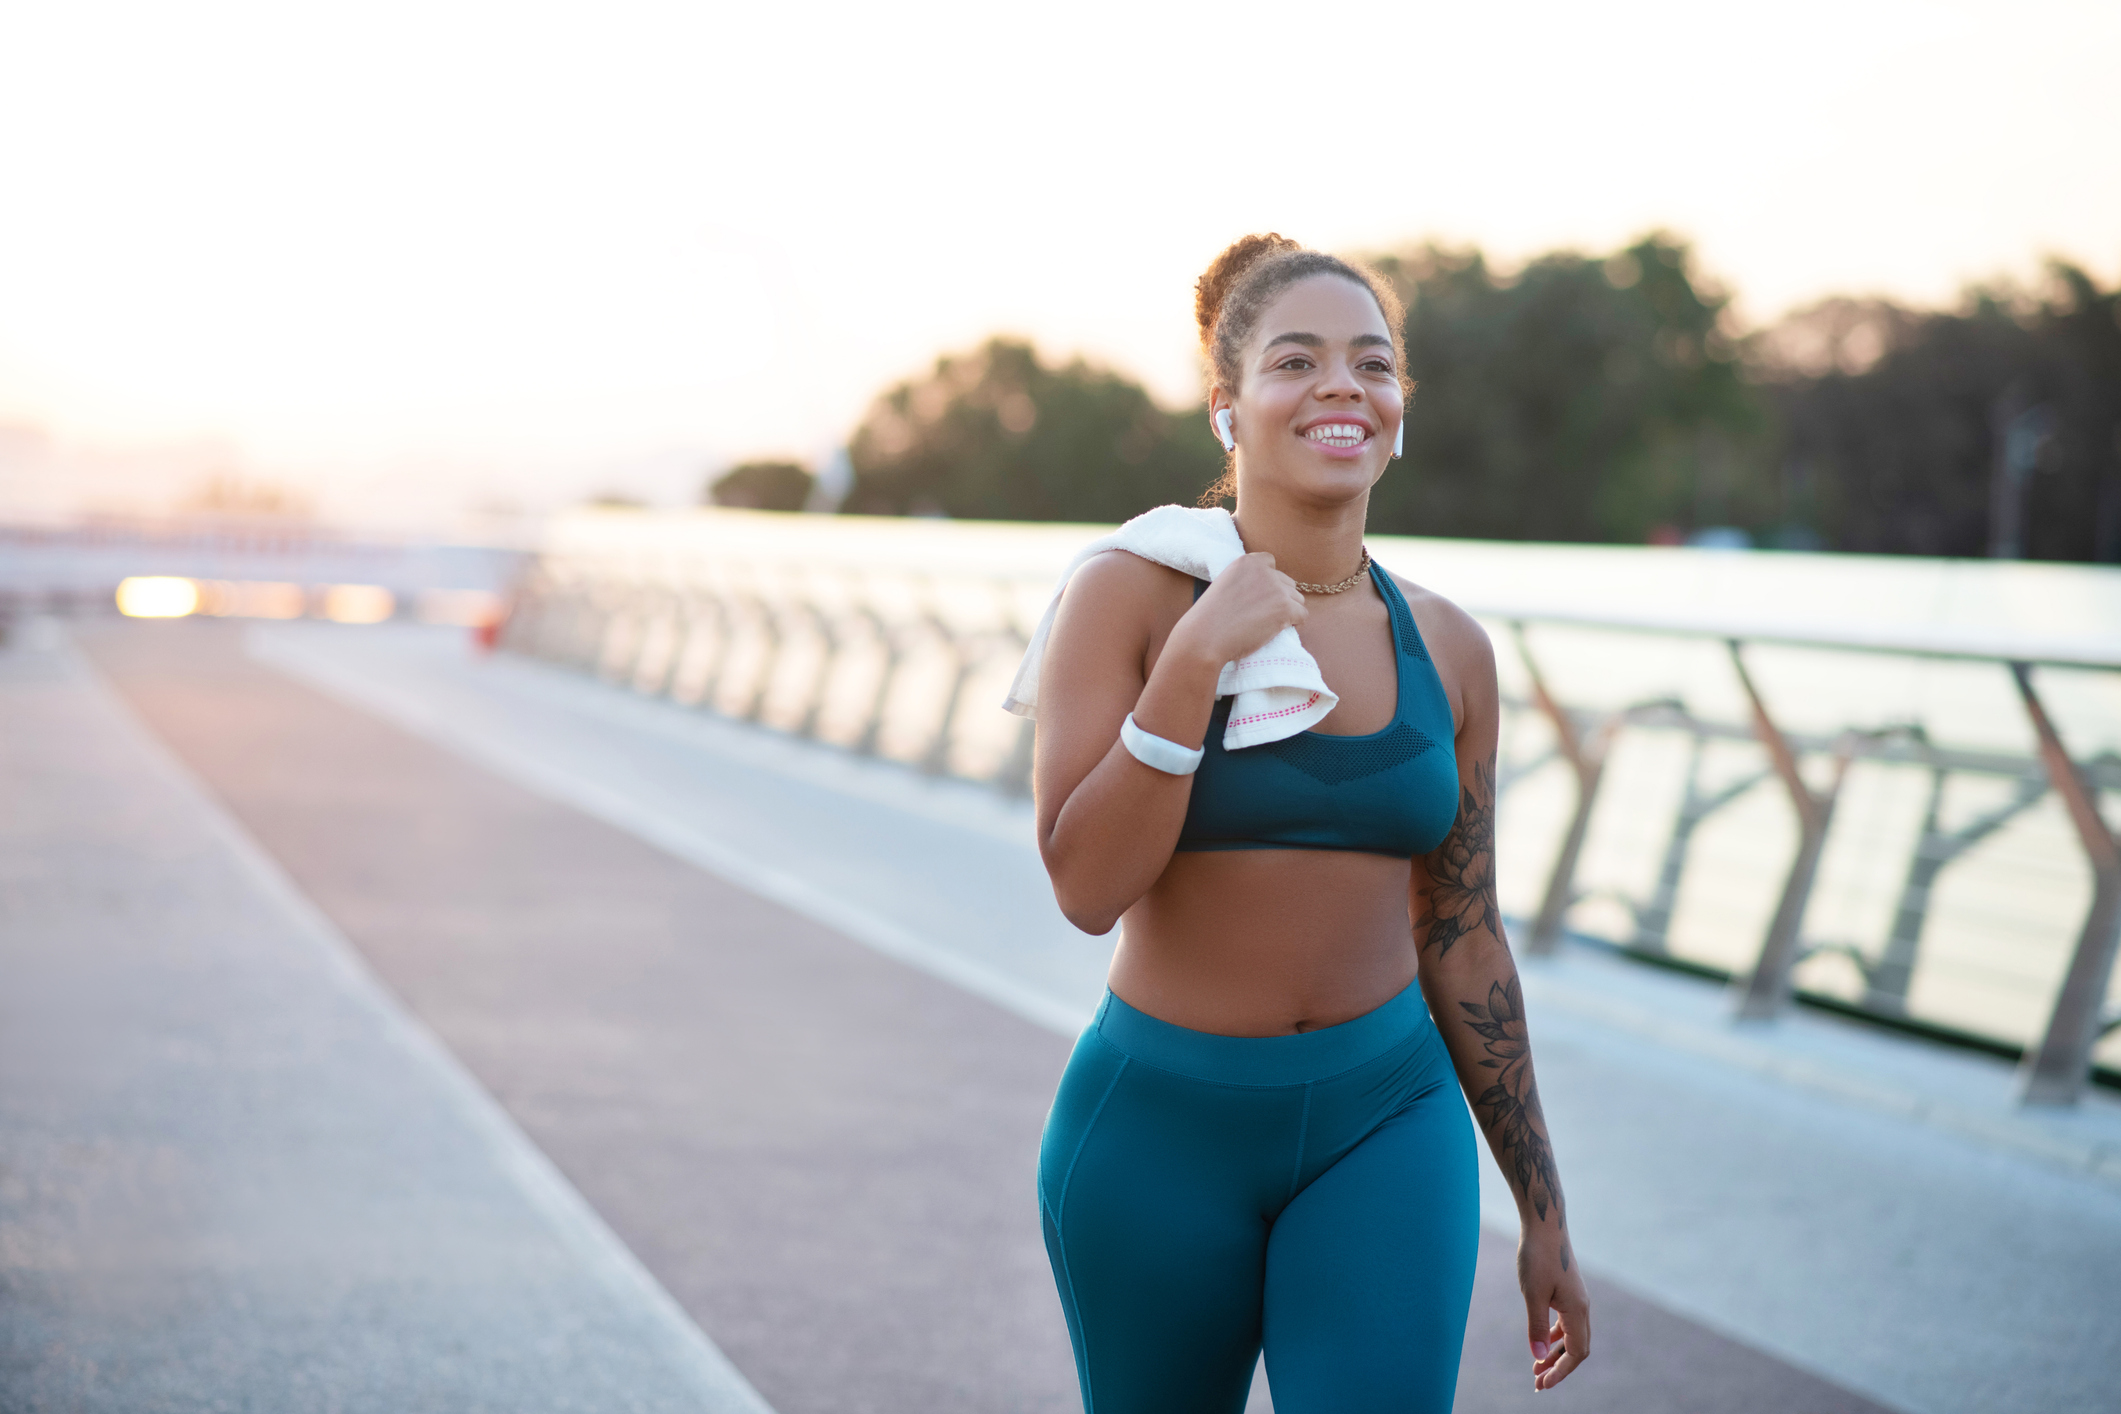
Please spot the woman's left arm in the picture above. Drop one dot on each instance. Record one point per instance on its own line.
(1471, 984)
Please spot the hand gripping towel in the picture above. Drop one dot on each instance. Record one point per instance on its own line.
(1278, 688)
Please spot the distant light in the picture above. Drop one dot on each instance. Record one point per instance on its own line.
(216, 597)
(268, 599)
(359, 603)
(157, 597)
(463, 608)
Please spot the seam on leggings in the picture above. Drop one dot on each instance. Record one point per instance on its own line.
(1074, 1312)
(1082, 1328)
(1068, 1179)
(1060, 1210)
(1303, 1132)
(1448, 1079)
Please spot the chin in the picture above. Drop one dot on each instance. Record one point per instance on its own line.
(1337, 483)
(1318, 481)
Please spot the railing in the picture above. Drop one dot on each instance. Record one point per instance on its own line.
(876, 672)
(887, 663)
(2057, 1066)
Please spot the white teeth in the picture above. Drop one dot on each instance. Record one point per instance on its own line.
(1339, 433)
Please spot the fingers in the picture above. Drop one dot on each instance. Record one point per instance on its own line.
(1249, 603)
(1549, 1378)
(1548, 1349)
(1541, 1336)
(1569, 1345)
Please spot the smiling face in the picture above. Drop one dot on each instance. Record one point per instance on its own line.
(1320, 400)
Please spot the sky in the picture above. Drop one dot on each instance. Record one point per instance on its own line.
(412, 260)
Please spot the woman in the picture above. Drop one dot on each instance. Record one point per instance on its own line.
(1259, 1139)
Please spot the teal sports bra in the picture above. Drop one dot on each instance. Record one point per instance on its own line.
(1393, 791)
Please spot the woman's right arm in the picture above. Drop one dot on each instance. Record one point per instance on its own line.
(1106, 823)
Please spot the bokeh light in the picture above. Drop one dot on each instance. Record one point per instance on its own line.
(157, 597)
(359, 603)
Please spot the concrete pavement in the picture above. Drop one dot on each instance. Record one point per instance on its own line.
(234, 1175)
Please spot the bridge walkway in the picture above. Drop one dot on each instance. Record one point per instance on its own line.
(788, 1023)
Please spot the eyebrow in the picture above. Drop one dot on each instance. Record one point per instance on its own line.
(1312, 341)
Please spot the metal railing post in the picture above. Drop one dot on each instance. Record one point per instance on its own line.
(618, 645)
(965, 651)
(1761, 995)
(821, 682)
(658, 608)
(769, 662)
(1886, 981)
(684, 629)
(1653, 919)
(711, 603)
(596, 624)
(894, 649)
(1013, 776)
(1586, 755)
(2056, 1069)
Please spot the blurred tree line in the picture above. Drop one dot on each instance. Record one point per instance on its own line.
(1585, 398)
(763, 486)
(1576, 399)
(997, 434)
(1993, 428)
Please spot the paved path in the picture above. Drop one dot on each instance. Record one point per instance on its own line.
(1807, 1189)
(825, 1154)
(233, 1174)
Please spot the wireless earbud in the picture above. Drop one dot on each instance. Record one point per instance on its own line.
(1223, 432)
(1399, 439)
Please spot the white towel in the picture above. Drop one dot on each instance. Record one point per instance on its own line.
(1278, 688)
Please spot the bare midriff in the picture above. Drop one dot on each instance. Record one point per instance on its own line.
(1267, 942)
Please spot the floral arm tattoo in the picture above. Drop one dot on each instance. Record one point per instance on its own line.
(1509, 1108)
(1460, 898)
(1459, 902)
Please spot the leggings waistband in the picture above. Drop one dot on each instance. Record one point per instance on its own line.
(1262, 1060)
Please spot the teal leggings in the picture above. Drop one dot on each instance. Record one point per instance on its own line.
(1204, 1194)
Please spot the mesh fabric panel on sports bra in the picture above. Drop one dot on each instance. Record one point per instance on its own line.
(1403, 629)
(1336, 760)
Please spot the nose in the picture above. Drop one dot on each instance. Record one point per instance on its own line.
(1339, 383)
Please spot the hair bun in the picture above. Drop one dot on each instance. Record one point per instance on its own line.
(1222, 276)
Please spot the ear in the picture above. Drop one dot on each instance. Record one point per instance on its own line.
(1220, 417)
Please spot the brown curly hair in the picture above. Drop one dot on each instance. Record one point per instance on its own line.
(1229, 299)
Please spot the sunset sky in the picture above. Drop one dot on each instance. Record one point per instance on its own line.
(413, 258)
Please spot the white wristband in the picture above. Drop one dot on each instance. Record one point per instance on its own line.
(1153, 751)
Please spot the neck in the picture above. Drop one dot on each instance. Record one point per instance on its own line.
(1314, 544)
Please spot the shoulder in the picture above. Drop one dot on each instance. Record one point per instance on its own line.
(1124, 572)
(1452, 634)
(1119, 585)
(1464, 659)
(1119, 602)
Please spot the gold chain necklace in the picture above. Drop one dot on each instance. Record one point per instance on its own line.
(1345, 585)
